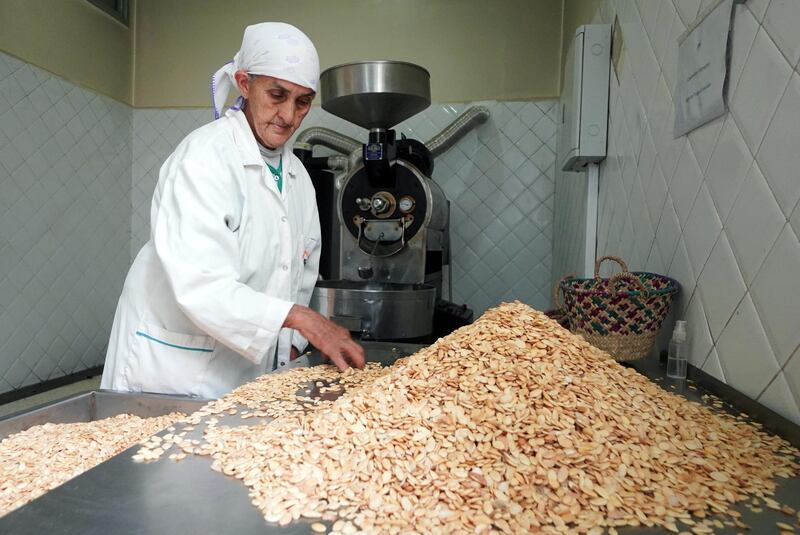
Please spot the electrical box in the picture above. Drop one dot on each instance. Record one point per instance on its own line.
(583, 132)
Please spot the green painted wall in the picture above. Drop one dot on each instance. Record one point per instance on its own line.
(72, 39)
(474, 49)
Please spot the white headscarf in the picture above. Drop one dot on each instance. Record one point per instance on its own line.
(272, 49)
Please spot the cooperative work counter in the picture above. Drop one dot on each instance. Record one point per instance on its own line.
(120, 496)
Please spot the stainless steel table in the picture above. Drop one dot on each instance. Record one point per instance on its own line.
(121, 497)
(96, 405)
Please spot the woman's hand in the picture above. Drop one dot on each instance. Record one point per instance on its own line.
(332, 340)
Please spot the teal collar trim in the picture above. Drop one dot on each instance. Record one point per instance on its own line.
(277, 173)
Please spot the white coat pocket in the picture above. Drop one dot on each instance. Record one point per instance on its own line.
(170, 362)
(309, 244)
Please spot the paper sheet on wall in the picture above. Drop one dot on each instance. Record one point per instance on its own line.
(702, 69)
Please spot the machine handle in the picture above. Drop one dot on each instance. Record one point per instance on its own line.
(400, 248)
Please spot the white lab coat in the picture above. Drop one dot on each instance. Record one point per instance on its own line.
(204, 301)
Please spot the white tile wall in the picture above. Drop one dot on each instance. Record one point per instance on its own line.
(778, 155)
(780, 21)
(753, 232)
(764, 62)
(700, 344)
(499, 179)
(65, 168)
(570, 224)
(721, 286)
(728, 167)
(732, 237)
(156, 133)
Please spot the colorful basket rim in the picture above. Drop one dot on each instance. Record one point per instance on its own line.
(673, 287)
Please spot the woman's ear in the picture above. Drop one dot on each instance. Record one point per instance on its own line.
(242, 82)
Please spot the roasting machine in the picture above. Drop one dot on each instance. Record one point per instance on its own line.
(385, 221)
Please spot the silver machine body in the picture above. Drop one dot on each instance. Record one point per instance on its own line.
(380, 249)
(393, 239)
(388, 310)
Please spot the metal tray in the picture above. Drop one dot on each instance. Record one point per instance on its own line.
(118, 496)
(99, 404)
(96, 405)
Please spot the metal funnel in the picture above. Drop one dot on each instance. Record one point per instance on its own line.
(375, 94)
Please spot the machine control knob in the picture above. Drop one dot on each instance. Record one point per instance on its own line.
(364, 204)
(383, 204)
(380, 204)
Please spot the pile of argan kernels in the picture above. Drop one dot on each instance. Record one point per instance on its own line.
(43, 457)
(511, 425)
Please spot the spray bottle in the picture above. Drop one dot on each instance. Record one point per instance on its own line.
(677, 359)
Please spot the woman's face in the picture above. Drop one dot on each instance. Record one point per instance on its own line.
(275, 108)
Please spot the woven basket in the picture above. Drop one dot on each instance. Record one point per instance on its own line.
(622, 314)
(559, 313)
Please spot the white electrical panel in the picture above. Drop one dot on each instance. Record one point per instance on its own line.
(584, 99)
